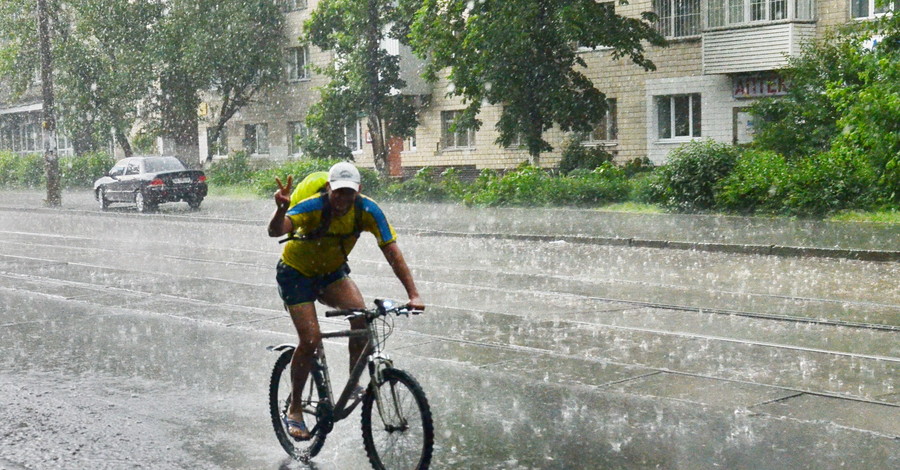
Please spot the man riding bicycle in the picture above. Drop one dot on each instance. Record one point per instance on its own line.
(324, 229)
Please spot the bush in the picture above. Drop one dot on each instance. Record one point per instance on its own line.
(423, 186)
(831, 181)
(647, 188)
(758, 183)
(21, 171)
(453, 185)
(263, 181)
(522, 187)
(8, 160)
(531, 186)
(235, 169)
(577, 156)
(689, 178)
(82, 170)
(606, 184)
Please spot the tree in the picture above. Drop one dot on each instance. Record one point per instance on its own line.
(365, 78)
(522, 54)
(105, 72)
(844, 100)
(231, 48)
(116, 57)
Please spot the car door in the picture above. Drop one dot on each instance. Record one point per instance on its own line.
(113, 189)
(131, 180)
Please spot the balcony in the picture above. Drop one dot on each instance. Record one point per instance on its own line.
(755, 35)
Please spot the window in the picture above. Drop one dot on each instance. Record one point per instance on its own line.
(132, 169)
(729, 12)
(220, 145)
(868, 9)
(63, 144)
(678, 116)
(298, 63)
(607, 129)
(30, 137)
(353, 136)
(296, 132)
(455, 139)
(118, 169)
(291, 5)
(677, 18)
(409, 145)
(256, 138)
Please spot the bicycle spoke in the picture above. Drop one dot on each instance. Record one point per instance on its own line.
(397, 425)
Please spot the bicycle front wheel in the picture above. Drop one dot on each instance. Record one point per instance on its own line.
(396, 423)
(316, 412)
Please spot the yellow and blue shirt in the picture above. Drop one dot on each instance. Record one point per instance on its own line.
(323, 255)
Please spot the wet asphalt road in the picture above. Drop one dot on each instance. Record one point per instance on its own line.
(138, 341)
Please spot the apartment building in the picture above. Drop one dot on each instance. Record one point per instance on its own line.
(723, 55)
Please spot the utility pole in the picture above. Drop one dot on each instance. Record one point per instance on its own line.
(48, 124)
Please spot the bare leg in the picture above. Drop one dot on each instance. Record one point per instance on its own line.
(344, 294)
(307, 325)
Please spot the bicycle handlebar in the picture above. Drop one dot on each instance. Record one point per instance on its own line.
(383, 307)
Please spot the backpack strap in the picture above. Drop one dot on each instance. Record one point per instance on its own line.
(322, 230)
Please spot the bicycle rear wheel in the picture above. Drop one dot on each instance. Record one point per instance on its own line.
(397, 429)
(316, 409)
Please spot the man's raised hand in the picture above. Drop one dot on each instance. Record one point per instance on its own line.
(283, 193)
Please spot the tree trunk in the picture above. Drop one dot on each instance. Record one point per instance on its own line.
(379, 144)
(122, 139)
(51, 158)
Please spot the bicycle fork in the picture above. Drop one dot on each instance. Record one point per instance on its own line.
(390, 413)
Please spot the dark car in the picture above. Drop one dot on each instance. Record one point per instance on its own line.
(149, 181)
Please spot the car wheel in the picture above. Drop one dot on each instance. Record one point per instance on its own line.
(194, 203)
(143, 205)
(101, 198)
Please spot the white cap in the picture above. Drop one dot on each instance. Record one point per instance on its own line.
(343, 175)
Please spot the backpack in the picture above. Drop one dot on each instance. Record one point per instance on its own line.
(313, 184)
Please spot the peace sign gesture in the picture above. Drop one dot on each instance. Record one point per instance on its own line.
(283, 194)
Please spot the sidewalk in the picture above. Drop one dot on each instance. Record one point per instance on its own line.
(752, 235)
(755, 235)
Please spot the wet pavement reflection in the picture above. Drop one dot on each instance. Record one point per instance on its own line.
(141, 338)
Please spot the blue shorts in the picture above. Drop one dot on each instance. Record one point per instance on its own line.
(295, 288)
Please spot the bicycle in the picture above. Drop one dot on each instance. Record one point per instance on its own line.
(398, 432)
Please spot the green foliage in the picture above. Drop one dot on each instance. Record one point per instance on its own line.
(531, 186)
(843, 104)
(21, 171)
(425, 186)
(522, 187)
(144, 142)
(692, 172)
(520, 54)
(263, 180)
(605, 184)
(758, 183)
(831, 181)
(110, 55)
(235, 169)
(365, 79)
(82, 170)
(575, 156)
(648, 188)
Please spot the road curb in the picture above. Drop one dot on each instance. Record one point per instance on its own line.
(736, 248)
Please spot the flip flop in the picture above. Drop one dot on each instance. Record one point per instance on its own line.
(289, 424)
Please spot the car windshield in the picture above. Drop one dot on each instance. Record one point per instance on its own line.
(159, 164)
